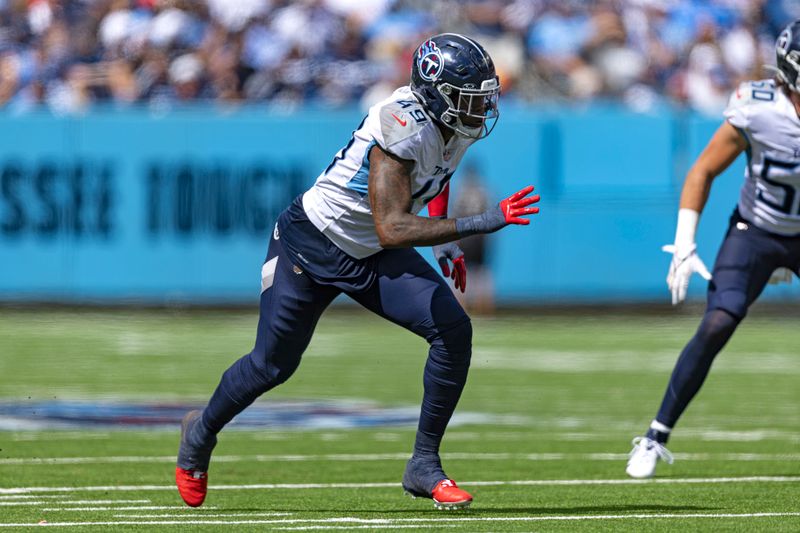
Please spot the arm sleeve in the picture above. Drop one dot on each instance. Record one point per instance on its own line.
(437, 208)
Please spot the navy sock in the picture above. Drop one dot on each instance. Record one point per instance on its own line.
(426, 445)
(659, 436)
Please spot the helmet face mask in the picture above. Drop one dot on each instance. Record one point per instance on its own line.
(471, 113)
(454, 78)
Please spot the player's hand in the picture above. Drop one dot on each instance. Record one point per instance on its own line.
(685, 262)
(450, 253)
(781, 275)
(517, 204)
(508, 211)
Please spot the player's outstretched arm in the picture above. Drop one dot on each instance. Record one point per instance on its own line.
(508, 211)
(723, 148)
(397, 227)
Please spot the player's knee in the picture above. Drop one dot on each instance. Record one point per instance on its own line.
(280, 373)
(455, 342)
(732, 302)
(275, 365)
(244, 380)
(464, 333)
(717, 326)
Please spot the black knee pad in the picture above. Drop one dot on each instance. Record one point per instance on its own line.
(455, 342)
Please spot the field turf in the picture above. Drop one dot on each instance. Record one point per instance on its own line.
(552, 402)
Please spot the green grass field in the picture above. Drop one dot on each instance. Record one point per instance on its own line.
(559, 396)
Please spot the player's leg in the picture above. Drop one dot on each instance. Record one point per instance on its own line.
(744, 264)
(291, 304)
(410, 293)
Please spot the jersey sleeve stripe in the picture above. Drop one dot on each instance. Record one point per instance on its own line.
(360, 181)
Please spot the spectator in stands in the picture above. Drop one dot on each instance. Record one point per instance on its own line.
(70, 54)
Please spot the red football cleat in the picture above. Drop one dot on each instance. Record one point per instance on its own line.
(447, 495)
(192, 486)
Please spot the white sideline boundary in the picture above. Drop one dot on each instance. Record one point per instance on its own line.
(402, 456)
(393, 485)
(405, 522)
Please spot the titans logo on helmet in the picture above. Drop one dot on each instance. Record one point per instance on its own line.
(429, 61)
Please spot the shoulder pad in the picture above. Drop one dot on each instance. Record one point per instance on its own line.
(748, 101)
(400, 120)
(753, 92)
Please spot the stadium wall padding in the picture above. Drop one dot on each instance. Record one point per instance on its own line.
(129, 205)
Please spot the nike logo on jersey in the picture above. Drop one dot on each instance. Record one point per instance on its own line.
(402, 122)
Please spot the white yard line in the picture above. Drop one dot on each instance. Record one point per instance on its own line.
(386, 522)
(660, 481)
(402, 456)
(97, 502)
(124, 508)
(302, 486)
(19, 504)
(7, 497)
(370, 527)
(191, 513)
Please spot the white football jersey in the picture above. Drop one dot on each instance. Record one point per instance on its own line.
(770, 196)
(338, 203)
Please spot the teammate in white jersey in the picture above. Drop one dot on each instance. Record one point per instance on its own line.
(763, 238)
(353, 232)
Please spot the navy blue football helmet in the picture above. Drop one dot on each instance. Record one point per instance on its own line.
(787, 50)
(455, 80)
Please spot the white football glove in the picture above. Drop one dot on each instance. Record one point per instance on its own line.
(685, 262)
(781, 275)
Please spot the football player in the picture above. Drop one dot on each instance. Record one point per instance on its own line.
(763, 237)
(354, 233)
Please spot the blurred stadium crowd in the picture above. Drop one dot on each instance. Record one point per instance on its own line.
(69, 54)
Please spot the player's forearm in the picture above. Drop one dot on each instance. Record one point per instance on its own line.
(404, 230)
(723, 148)
(693, 198)
(696, 189)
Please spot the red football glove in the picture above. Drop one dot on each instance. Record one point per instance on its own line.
(452, 253)
(516, 205)
(509, 211)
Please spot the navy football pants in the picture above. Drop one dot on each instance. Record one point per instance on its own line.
(403, 288)
(744, 264)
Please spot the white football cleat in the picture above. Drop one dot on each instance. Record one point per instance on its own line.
(644, 456)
